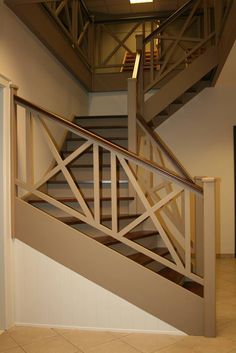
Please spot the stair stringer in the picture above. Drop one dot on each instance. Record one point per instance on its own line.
(180, 83)
(114, 272)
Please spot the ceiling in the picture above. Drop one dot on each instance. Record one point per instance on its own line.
(124, 7)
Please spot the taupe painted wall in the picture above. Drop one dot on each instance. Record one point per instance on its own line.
(201, 134)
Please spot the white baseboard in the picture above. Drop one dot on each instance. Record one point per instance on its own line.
(160, 332)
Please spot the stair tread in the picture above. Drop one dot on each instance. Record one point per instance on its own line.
(100, 127)
(171, 275)
(86, 181)
(101, 117)
(109, 139)
(87, 151)
(88, 166)
(107, 240)
(143, 259)
(88, 199)
(194, 287)
(72, 220)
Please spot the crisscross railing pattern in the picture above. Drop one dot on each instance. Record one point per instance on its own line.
(163, 198)
(148, 208)
(183, 37)
(75, 21)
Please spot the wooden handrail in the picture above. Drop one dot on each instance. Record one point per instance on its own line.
(109, 145)
(169, 20)
(157, 139)
(136, 64)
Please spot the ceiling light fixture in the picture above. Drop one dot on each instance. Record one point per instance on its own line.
(139, 1)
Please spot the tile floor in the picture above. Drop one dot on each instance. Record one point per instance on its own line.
(46, 340)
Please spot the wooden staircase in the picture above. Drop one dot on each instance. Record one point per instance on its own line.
(129, 60)
(114, 129)
(91, 210)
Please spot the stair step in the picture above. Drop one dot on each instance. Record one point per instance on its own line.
(194, 287)
(86, 182)
(87, 151)
(109, 139)
(171, 275)
(88, 199)
(96, 117)
(144, 260)
(72, 220)
(89, 166)
(101, 127)
(107, 240)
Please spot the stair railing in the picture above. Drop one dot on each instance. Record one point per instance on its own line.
(181, 39)
(179, 242)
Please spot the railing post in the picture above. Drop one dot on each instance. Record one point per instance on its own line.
(209, 230)
(132, 130)
(132, 112)
(140, 94)
(13, 153)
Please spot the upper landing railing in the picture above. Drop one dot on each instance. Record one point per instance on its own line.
(170, 44)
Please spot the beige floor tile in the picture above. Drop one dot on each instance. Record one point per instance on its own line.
(87, 339)
(120, 334)
(214, 345)
(6, 342)
(55, 344)
(14, 350)
(175, 348)
(113, 347)
(25, 335)
(201, 345)
(228, 330)
(149, 343)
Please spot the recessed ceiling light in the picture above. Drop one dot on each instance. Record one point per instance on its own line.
(139, 1)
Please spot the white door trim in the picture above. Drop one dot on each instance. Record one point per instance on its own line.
(6, 243)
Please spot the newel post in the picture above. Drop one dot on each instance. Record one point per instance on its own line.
(13, 153)
(132, 112)
(209, 230)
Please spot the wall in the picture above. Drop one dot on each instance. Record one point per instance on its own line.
(205, 125)
(201, 134)
(69, 300)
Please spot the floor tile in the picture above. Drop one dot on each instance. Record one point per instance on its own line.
(86, 339)
(55, 344)
(148, 343)
(6, 342)
(113, 347)
(201, 345)
(25, 335)
(14, 350)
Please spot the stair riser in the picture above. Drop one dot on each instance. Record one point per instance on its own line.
(116, 132)
(105, 207)
(73, 145)
(86, 123)
(56, 190)
(87, 158)
(87, 174)
(149, 243)
(85, 228)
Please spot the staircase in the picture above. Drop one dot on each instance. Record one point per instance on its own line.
(129, 60)
(118, 219)
(115, 204)
(114, 129)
